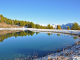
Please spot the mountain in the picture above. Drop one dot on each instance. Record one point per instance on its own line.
(55, 25)
(63, 26)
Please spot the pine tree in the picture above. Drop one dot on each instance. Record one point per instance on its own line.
(48, 26)
(28, 24)
(31, 25)
(38, 26)
(41, 27)
(68, 28)
(58, 27)
(75, 26)
(15, 22)
(51, 27)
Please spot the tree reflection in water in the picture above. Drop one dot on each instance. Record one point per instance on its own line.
(22, 33)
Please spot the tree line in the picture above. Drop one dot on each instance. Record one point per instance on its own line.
(23, 23)
(32, 25)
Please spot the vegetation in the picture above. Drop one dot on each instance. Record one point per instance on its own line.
(4, 25)
(68, 28)
(23, 23)
(58, 27)
(75, 26)
(49, 26)
(32, 25)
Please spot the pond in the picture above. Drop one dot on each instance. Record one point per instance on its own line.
(28, 44)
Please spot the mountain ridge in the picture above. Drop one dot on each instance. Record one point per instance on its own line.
(63, 26)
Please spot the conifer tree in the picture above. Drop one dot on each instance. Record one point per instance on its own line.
(48, 26)
(31, 25)
(51, 27)
(75, 26)
(41, 27)
(68, 28)
(58, 27)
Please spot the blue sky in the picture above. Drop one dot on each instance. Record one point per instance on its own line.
(42, 11)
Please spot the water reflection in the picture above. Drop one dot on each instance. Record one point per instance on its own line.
(75, 37)
(8, 34)
(58, 34)
(16, 34)
(22, 47)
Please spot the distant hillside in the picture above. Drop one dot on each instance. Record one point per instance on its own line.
(4, 25)
(64, 26)
(54, 25)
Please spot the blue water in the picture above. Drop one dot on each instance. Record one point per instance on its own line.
(38, 44)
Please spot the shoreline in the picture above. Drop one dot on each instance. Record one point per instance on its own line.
(72, 52)
(76, 32)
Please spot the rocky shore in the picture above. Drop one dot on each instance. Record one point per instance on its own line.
(70, 53)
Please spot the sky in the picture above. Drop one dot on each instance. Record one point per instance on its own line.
(42, 11)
